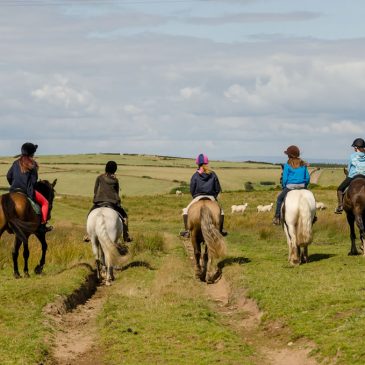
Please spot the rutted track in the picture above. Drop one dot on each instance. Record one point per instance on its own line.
(75, 320)
(244, 316)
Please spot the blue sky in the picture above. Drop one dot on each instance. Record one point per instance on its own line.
(228, 78)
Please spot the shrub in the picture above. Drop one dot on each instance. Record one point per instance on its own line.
(267, 182)
(248, 186)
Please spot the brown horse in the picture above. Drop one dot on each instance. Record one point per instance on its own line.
(17, 216)
(203, 223)
(354, 206)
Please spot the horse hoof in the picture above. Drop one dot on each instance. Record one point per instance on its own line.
(108, 283)
(353, 253)
(26, 275)
(38, 270)
(17, 275)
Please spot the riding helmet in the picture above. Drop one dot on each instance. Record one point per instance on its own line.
(202, 159)
(111, 167)
(28, 149)
(292, 152)
(358, 142)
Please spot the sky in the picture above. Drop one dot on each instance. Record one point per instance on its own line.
(229, 78)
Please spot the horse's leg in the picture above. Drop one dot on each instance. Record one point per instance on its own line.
(292, 246)
(351, 221)
(293, 249)
(205, 264)
(98, 270)
(109, 270)
(26, 257)
(42, 239)
(360, 225)
(304, 255)
(15, 254)
(197, 254)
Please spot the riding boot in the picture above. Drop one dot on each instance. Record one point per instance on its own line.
(339, 208)
(186, 233)
(221, 222)
(126, 237)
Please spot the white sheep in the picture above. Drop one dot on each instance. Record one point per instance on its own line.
(179, 193)
(320, 206)
(239, 208)
(264, 208)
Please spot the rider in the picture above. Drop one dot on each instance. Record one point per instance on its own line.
(356, 168)
(23, 176)
(203, 183)
(295, 176)
(106, 193)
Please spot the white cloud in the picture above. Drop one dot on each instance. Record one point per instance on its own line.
(190, 92)
(62, 94)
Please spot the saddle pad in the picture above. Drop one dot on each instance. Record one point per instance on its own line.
(35, 206)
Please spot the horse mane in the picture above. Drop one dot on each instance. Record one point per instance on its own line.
(19, 227)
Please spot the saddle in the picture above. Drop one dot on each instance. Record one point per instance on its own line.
(108, 205)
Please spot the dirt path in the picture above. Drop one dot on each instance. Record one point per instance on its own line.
(315, 175)
(77, 335)
(244, 316)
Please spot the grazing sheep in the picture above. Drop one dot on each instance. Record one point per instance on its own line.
(264, 208)
(320, 206)
(239, 208)
(179, 193)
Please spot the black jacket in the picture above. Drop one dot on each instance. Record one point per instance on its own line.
(204, 184)
(106, 189)
(23, 181)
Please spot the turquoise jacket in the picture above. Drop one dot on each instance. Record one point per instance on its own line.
(356, 165)
(300, 175)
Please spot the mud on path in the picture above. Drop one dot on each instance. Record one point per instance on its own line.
(76, 339)
(243, 315)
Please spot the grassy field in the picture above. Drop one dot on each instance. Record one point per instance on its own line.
(163, 315)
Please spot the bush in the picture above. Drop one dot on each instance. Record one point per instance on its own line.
(248, 186)
(267, 182)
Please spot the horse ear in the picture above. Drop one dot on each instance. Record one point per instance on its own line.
(54, 182)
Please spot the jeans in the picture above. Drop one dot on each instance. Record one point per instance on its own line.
(280, 200)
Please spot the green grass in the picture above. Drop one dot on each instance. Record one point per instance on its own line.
(162, 315)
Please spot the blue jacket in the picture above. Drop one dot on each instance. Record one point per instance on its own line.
(204, 184)
(356, 165)
(23, 181)
(300, 175)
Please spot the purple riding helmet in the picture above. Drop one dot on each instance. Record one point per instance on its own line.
(202, 159)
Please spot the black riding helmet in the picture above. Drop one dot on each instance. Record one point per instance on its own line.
(358, 142)
(111, 167)
(28, 149)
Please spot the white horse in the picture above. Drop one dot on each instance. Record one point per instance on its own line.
(104, 228)
(298, 213)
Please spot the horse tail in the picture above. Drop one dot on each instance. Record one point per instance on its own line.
(19, 227)
(305, 218)
(111, 250)
(212, 237)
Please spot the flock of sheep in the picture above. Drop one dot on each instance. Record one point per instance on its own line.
(266, 208)
(260, 208)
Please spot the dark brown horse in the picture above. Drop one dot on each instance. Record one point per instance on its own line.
(354, 206)
(17, 216)
(203, 223)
